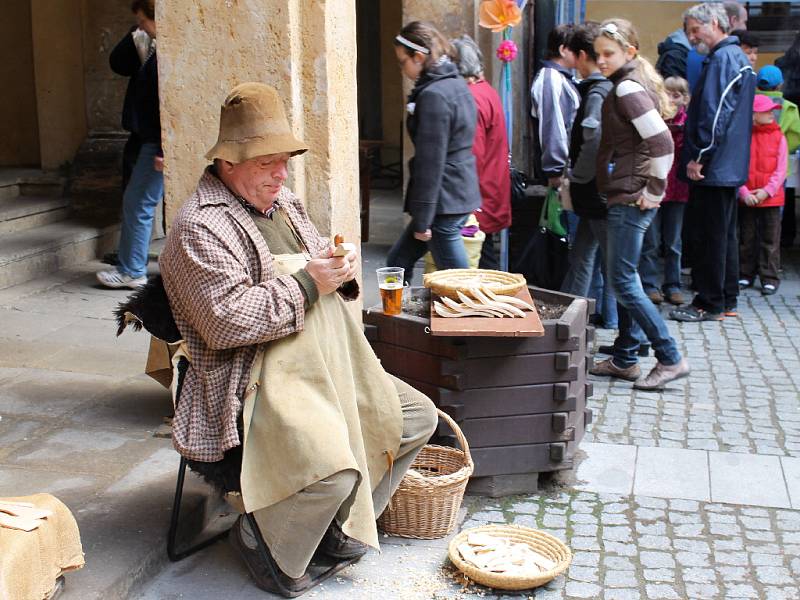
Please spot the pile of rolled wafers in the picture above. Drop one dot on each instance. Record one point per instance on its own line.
(500, 555)
(23, 516)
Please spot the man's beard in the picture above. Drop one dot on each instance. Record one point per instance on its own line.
(701, 48)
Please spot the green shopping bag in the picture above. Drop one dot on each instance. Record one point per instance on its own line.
(550, 217)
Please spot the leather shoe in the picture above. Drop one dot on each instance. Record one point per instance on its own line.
(675, 298)
(338, 545)
(607, 368)
(662, 374)
(656, 297)
(290, 587)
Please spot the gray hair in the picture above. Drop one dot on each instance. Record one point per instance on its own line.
(734, 9)
(707, 12)
(469, 56)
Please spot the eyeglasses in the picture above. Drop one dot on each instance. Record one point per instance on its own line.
(612, 30)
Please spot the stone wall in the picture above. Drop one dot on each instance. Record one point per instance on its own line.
(306, 50)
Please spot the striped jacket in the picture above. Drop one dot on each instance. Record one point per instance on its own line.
(226, 299)
(554, 102)
(636, 148)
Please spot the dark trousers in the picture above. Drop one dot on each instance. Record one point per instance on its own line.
(789, 221)
(759, 250)
(490, 252)
(716, 268)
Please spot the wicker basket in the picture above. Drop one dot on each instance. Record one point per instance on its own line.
(543, 543)
(426, 504)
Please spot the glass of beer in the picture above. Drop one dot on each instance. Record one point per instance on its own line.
(390, 282)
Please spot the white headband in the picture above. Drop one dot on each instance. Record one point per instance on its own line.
(412, 45)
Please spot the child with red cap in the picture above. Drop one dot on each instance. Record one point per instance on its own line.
(761, 198)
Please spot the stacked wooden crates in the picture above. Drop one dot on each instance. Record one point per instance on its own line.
(521, 402)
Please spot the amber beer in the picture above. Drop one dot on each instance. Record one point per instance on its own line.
(390, 283)
(392, 298)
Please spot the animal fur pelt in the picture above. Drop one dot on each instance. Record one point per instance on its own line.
(148, 307)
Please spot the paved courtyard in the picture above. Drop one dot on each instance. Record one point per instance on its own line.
(689, 493)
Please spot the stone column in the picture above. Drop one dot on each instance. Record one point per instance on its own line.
(307, 50)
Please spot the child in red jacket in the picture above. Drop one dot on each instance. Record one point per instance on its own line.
(761, 199)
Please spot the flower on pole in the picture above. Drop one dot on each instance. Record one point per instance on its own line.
(497, 15)
(507, 51)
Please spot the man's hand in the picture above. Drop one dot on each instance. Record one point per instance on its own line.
(423, 237)
(329, 273)
(693, 171)
(158, 163)
(554, 182)
(645, 204)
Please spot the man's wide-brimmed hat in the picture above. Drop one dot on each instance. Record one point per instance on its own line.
(252, 122)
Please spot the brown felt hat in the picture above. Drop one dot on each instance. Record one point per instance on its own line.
(252, 123)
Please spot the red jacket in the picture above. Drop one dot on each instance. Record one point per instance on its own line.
(491, 156)
(677, 190)
(768, 158)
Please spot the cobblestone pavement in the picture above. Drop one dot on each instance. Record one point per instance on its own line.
(743, 394)
(631, 547)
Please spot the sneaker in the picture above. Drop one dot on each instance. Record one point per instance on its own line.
(731, 312)
(692, 314)
(607, 368)
(675, 298)
(644, 349)
(656, 297)
(768, 289)
(244, 542)
(745, 283)
(114, 279)
(662, 374)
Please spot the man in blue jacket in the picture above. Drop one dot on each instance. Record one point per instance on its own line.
(716, 155)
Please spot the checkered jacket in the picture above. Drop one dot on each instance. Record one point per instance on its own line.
(226, 298)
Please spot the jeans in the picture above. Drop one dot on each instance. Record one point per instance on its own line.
(589, 244)
(626, 229)
(143, 193)
(716, 271)
(445, 245)
(667, 227)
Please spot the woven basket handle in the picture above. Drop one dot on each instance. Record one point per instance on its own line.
(462, 441)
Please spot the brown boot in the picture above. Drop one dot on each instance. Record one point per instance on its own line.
(243, 540)
(676, 298)
(338, 545)
(607, 368)
(656, 297)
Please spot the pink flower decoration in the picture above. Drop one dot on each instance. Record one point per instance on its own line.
(507, 51)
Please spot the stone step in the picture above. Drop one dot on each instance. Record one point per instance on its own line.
(25, 212)
(31, 253)
(30, 182)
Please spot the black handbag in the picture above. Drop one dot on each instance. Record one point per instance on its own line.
(545, 260)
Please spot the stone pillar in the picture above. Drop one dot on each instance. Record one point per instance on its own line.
(307, 50)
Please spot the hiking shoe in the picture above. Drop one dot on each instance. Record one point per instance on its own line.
(607, 368)
(662, 374)
(644, 349)
(656, 297)
(744, 283)
(337, 544)
(244, 542)
(768, 289)
(116, 280)
(675, 298)
(692, 314)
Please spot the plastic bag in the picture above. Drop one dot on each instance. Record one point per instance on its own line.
(550, 217)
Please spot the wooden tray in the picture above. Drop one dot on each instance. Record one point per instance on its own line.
(528, 326)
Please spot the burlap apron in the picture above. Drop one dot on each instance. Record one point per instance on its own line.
(319, 402)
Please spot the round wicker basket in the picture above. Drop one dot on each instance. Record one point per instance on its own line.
(451, 281)
(426, 504)
(543, 543)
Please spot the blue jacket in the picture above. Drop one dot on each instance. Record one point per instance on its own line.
(720, 117)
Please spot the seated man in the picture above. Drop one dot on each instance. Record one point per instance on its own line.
(258, 298)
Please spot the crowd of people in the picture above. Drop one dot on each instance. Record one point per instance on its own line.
(672, 168)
